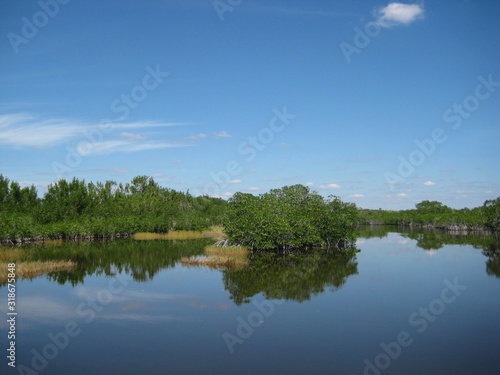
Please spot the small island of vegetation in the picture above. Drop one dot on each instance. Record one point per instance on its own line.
(290, 218)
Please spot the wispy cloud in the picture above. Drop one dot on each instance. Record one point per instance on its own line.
(25, 130)
(198, 136)
(429, 183)
(356, 196)
(222, 134)
(146, 124)
(395, 14)
(108, 147)
(132, 137)
(330, 186)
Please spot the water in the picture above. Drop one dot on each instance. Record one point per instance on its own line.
(409, 302)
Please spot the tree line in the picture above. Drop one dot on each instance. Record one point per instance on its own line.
(288, 218)
(77, 208)
(436, 214)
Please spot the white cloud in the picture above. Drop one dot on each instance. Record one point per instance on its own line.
(330, 186)
(429, 183)
(108, 147)
(395, 14)
(132, 137)
(402, 195)
(309, 184)
(254, 188)
(198, 136)
(25, 130)
(357, 196)
(222, 134)
(235, 182)
(145, 124)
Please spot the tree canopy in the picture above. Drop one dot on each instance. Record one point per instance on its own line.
(78, 208)
(292, 217)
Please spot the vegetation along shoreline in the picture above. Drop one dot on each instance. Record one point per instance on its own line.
(287, 218)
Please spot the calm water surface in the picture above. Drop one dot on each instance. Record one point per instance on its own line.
(409, 302)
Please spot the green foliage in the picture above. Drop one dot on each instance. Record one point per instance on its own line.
(432, 207)
(435, 214)
(492, 214)
(289, 218)
(77, 208)
(13, 198)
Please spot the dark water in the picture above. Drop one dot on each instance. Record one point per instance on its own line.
(409, 302)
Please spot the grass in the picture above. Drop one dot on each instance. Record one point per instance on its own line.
(219, 258)
(213, 232)
(226, 251)
(33, 269)
(9, 255)
(26, 268)
(214, 262)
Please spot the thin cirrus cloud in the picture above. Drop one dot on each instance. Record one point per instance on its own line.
(132, 137)
(108, 147)
(395, 14)
(25, 130)
(198, 136)
(222, 134)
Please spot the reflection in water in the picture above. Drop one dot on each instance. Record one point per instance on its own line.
(493, 263)
(175, 322)
(435, 239)
(297, 276)
(141, 259)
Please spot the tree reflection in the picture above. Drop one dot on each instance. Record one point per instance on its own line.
(140, 259)
(296, 276)
(435, 239)
(492, 251)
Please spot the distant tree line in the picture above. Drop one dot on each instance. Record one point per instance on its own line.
(436, 214)
(77, 208)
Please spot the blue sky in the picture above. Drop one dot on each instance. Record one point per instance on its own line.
(384, 104)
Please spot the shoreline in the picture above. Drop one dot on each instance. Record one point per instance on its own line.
(213, 232)
(209, 233)
(451, 227)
